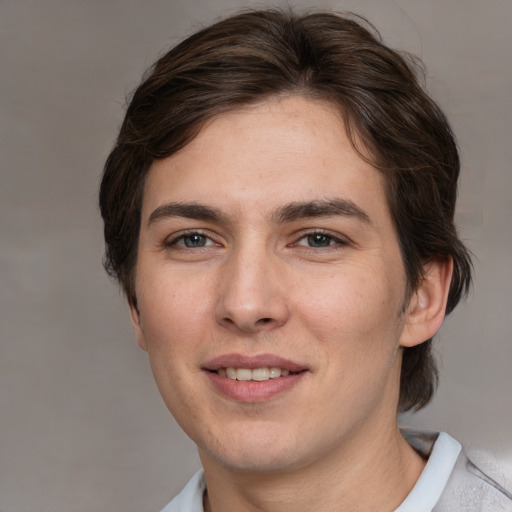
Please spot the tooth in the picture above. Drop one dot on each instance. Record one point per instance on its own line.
(274, 372)
(243, 374)
(260, 374)
(231, 373)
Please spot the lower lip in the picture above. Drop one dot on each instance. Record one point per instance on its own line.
(253, 391)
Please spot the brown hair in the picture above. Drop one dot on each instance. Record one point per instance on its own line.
(257, 54)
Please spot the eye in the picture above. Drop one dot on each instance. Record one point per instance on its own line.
(319, 240)
(192, 240)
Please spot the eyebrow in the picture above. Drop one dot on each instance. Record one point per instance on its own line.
(320, 208)
(187, 210)
(287, 213)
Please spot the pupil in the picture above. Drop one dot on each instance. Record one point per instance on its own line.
(195, 241)
(319, 240)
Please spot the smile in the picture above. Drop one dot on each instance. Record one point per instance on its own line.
(256, 374)
(253, 378)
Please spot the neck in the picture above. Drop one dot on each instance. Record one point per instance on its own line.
(363, 475)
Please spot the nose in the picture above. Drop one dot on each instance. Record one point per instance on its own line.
(252, 295)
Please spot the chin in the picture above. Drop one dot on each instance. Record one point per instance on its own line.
(259, 461)
(259, 451)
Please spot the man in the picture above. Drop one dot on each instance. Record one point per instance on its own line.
(279, 211)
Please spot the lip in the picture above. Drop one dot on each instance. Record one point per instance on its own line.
(253, 391)
(252, 362)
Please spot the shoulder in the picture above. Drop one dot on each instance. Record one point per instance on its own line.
(470, 488)
(190, 499)
(452, 481)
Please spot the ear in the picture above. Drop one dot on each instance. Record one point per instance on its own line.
(136, 324)
(426, 309)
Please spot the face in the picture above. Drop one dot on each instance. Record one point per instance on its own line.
(270, 288)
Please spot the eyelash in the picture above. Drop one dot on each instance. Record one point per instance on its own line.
(334, 242)
(174, 241)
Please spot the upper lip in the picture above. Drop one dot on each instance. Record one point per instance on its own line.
(252, 362)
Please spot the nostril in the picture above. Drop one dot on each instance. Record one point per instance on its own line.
(264, 320)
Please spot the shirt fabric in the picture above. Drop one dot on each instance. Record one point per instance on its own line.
(450, 482)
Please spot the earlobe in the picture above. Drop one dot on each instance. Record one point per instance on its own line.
(136, 324)
(426, 309)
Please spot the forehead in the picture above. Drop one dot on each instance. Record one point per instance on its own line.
(283, 150)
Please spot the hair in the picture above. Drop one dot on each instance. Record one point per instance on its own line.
(341, 60)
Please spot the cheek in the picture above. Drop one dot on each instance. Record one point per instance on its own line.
(173, 316)
(352, 301)
(174, 309)
(355, 319)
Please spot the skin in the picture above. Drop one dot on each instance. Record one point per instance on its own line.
(326, 291)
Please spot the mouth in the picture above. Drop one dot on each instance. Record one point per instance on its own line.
(253, 378)
(257, 374)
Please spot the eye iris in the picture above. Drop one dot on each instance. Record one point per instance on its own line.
(194, 241)
(319, 240)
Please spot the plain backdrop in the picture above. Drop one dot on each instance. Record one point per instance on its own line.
(82, 427)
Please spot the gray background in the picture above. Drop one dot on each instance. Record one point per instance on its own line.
(82, 427)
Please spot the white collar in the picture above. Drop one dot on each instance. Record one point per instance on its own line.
(434, 477)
